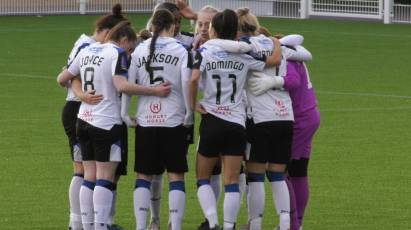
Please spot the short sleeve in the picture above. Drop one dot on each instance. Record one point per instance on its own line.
(74, 67)
(121, 63)
(198, 61)
(254, 64)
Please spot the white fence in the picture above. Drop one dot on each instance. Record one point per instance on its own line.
(384, 10)
(401, 13)
(372, 9)
(44, 7)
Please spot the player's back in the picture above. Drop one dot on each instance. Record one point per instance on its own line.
(274, 104)
(98, 64)
(225, 76)
(167, 64)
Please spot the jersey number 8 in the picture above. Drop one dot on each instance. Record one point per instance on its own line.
(88, 79)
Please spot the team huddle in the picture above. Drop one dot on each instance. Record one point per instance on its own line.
(258, 117)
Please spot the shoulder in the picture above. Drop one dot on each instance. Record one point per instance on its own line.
(188, 34)
(84, 41)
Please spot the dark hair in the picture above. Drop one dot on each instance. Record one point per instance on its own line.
(110, 20)
(225, 24)
(121, 30)
(144, 34)
(161, 20)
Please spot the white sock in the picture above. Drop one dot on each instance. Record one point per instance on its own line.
(102, 199)
(281, 196)
(156, 189)
(231, 205)
(256, 202)
(177, 204)
(86, 205)
(215, 183)
(242, 182)
(208, 203)
(110, 220)
(141, 203)
(74, 198)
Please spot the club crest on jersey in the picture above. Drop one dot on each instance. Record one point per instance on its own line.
(95, 50)
(265, 42)
(221, 54)
(155, 107)
(160, 46)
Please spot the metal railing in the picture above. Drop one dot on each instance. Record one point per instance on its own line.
(385, 10)
(401, 13)
(47, 7)
(371, 9)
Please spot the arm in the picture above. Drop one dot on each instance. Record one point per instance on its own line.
(298, 53)
(186, 10)
(64, 77)
(125, 104)
(231, 46)
(121, 73)
(123, 86)
(276, 56)
(185, 85)
(292, 40)
(193, 87)
(260, 83)
(88, 97)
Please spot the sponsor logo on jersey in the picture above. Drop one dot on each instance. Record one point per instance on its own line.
(155, 107)
(87, 116)
(223, 110)
(281, 109)
(221, 54)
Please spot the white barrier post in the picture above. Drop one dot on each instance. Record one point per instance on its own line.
(83, 4)
(387, 11)
(304, 9)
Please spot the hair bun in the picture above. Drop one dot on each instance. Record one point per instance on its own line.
(117, 10)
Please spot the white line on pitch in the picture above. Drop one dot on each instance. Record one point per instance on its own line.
(364, 94)
(384, 109)
(27, 76)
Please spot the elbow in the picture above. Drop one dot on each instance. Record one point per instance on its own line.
(61, 82)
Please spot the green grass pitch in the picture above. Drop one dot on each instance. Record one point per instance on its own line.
(360, 168)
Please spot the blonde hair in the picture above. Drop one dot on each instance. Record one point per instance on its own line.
(247, 22)
(264, 31)
(209, 9)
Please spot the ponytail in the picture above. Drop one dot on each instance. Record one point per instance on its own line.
(161, 20)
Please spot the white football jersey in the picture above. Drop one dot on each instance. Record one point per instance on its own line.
(187, 39)
(97, 64)
(275, 104)
(82, 42)
(171, 63)
(224, 75)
